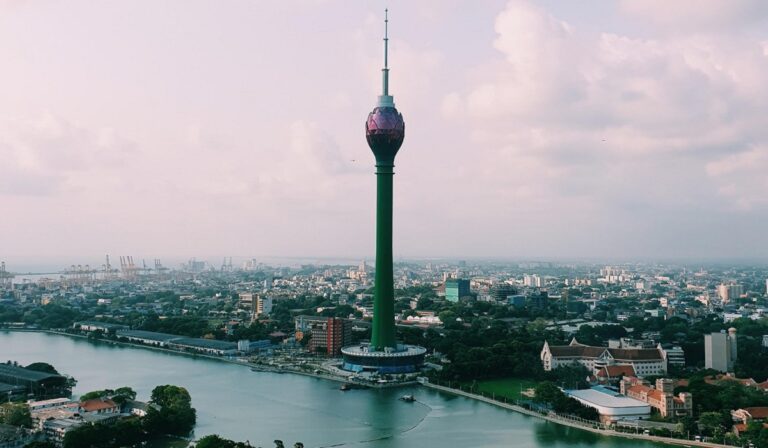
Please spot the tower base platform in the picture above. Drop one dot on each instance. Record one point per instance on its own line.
(403, 359)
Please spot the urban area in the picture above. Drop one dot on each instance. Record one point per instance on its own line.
(658, 351)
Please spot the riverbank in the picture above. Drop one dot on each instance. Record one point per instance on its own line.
(239, 404)
(582, 425)
(254, 367)
(573, 423)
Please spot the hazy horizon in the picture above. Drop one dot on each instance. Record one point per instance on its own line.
(627, 130)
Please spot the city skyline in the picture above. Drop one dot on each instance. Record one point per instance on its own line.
(539, 130)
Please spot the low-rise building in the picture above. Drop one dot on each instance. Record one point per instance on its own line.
(105, 327)
(175, 342)
(39, 384)
(56, 429)
(99, 406)
(674, 355)
(743, 417)
(328, 334)
(611, 375)
(645, 362)
(660, 397)
(611, 405)
(13, 436)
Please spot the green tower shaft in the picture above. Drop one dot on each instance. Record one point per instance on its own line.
(383, 332)
(385, 131)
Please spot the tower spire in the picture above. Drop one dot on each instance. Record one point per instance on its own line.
(386, 100)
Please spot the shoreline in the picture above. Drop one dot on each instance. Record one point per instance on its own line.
(508, 406)
(256, 368)
(565, 422)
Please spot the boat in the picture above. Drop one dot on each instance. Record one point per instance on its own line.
(345, 387)
(408, 398)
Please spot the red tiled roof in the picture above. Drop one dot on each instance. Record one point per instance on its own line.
(616, 371)
(758, 412)
(97, 404)
(741, 427)
(639, 389)
(619, 354)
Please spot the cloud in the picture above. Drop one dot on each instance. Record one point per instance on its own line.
(742, 177)
(46, 155)
(608, 117)
(702, 15)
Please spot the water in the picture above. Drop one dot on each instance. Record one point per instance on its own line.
(237, 403)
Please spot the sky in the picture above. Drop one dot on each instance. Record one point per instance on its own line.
(534, 129)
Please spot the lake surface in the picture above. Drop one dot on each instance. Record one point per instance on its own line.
(236, 403)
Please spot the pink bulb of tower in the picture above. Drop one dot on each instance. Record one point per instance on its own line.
(385, 131)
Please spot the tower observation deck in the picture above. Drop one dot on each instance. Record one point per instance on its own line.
(384, 131)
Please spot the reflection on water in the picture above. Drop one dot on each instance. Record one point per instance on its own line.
(239, 404)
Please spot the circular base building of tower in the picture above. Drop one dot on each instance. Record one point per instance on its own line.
(403, 359)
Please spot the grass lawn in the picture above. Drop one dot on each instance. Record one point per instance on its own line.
(506, 387)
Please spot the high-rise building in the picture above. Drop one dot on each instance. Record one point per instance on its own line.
(502, 291)
(384, 131)
(327, 334)
(455, 289)
(729, 292)
(720, 350)
(338, 335)
(257, 304)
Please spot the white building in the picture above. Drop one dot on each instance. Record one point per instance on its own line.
(645, 362)
(720, 350)
(611, 405)
(729, 292)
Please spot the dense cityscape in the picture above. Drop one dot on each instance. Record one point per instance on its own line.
(489, 327)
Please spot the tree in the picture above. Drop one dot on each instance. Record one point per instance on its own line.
(123, 395)
(96, 394)
(547, 392)
(40, 444)
(42, 367)
(19, 415)
(711, 422)
(16, 414)
(176, 415)
(214, 441)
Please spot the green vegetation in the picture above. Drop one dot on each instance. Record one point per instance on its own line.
(508, 388)
(121, 395)
(723, 396)
(40, 444)
(175, 417)
(42, 367)
(551, 395)
(215, 441)
(128, 432)
(15, 414)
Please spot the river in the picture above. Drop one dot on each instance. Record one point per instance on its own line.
(236, 403)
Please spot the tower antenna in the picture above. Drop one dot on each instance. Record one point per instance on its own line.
(386, 100)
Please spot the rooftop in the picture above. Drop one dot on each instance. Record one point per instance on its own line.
(25, 374)
(605, 397)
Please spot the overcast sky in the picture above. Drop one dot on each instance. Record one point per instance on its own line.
(549, 129)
